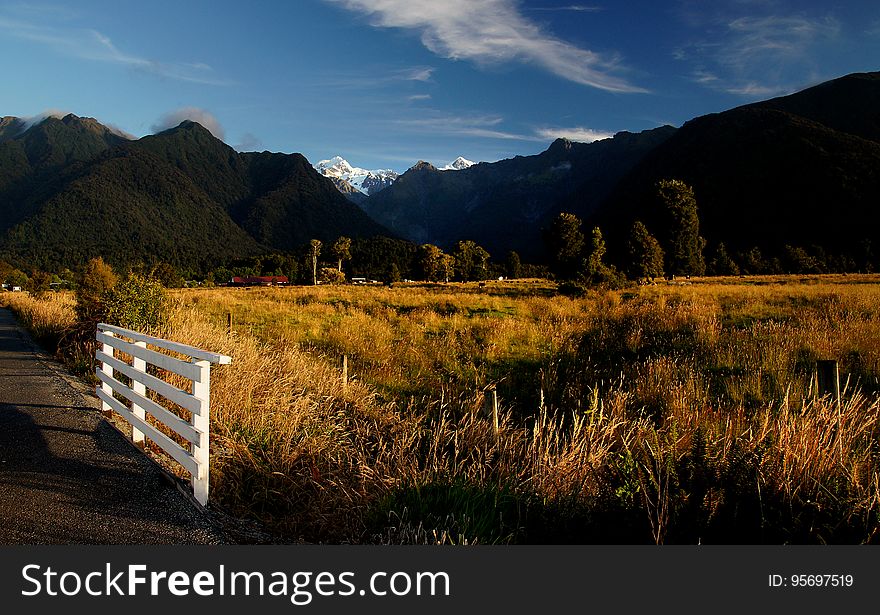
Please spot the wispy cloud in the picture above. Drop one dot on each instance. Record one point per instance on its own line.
(89, 44)
(435, 122)
(773, 38)
(575, 133)
(756, 90)
(577, 8)
(756, 55)
(376, 77)
(493, 31)
(194, 114)
(417, 97)
(439, 123)
(421, 73)
(249, 143)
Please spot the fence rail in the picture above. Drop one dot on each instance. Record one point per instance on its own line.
(135, 404)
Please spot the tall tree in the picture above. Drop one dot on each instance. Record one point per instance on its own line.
(513, 265)
(684, 246)
(471, 261)
(595, 270)
(595, 263)
(447, 266)
(431, 262)
(645, 253)
(315, 251)
(341, 251)
(565, 243)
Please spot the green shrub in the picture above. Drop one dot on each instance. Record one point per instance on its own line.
(330, 275)
(137, 303)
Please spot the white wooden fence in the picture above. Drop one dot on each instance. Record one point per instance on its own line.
(194, 458)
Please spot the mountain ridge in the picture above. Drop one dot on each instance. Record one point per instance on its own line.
(180, 196)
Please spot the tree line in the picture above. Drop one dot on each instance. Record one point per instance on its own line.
(671, 246)
(675, 247)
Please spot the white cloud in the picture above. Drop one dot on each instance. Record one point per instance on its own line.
(194, 114)
(575, 133)
(39, 117)
(416, 97)
(493, 31)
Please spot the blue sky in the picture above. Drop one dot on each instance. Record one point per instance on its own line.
(385, 83)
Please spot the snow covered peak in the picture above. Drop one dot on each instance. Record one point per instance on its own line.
(363, 180)
(334, 167)
(459, 164)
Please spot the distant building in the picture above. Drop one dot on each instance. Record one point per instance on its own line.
(269, 280)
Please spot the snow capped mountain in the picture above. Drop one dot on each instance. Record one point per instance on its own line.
(459, 164)
(364, 181)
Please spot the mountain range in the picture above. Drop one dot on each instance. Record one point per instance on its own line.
(71, 189)
(356, 183)
(363, 181)
(802, 170)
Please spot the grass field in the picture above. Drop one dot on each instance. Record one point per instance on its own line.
(676, 413)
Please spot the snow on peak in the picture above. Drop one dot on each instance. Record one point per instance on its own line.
(363, 180)
(459, 164)
(334, 167)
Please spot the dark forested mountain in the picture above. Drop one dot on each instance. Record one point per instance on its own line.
(800, 170)
(503, 205)
(71, 189)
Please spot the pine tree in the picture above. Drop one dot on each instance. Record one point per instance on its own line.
(565, 244)
(513, 265)
(645, 253)
(722, 263)
(595, 271)
(684, 246)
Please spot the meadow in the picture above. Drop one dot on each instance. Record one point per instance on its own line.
(674, 413)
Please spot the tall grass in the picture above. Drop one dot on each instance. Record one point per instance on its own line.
(671, 414)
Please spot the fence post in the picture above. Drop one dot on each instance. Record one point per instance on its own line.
(201, 421)
(345, 372)
(828, 380)
(137, 436)
(107, 349)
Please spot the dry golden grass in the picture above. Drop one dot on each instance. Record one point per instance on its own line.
(672, 413)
